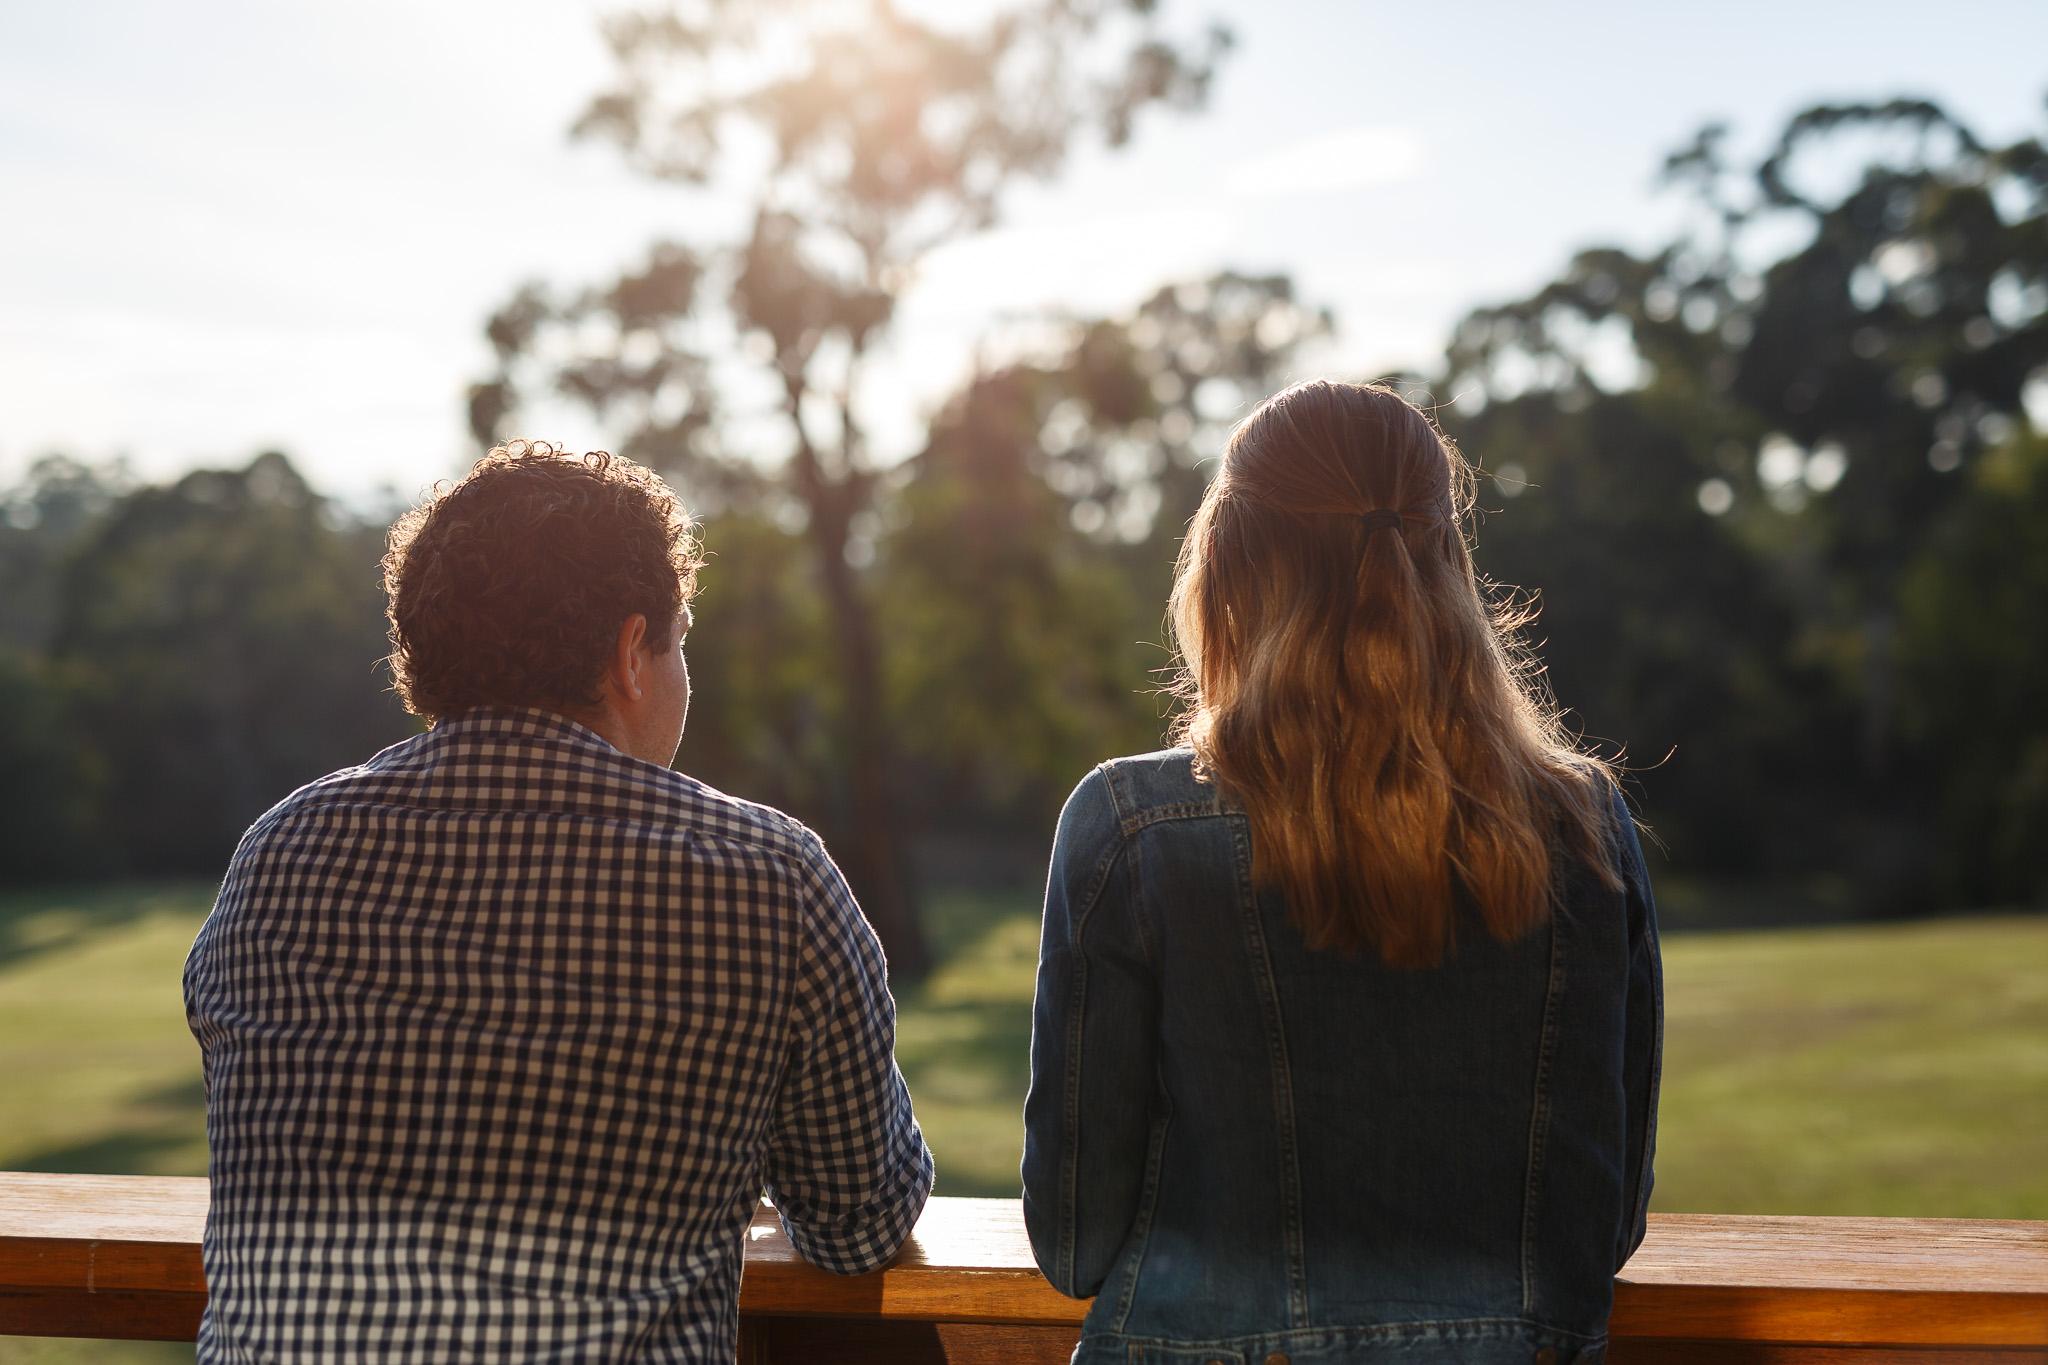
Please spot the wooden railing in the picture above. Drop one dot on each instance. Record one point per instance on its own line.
(118, 1256)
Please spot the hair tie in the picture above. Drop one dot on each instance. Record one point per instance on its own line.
(1374, 520)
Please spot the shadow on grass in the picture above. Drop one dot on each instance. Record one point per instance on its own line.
(964, 1038)
(51, 919)
(970, 1050)
(163, 1133)
(972, 1016)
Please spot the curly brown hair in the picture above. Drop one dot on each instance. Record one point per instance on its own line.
(509, 587)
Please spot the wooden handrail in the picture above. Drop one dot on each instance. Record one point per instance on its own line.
(118, 1256)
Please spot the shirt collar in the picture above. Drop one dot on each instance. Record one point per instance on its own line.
(521, 722)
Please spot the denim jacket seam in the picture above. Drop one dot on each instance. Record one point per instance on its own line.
(1283, 1082)
(1070, 1159)
(1145, 816)
(1636, 883)
(1539, 1117)
(1644, 1177)
(1495, 1324)
(1135, 900)
(1070, 1096)
(1141, 1225)
(1134, 813)
(1070, 1122)
(1148, 1203)
(1098, 882)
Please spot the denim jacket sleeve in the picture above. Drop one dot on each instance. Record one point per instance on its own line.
(1087, 1118)
(1643, 1055)
(846, 1164)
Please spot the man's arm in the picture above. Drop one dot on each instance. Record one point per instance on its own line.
(847, 1167)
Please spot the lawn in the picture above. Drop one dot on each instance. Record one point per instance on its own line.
(1879, 1069)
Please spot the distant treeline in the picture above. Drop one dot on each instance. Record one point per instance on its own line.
(1787, 517)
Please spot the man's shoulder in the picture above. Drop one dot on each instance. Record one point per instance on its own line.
(710, 815)
(446, 774)
(335, 788)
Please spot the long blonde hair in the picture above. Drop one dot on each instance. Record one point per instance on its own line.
(1347, 682)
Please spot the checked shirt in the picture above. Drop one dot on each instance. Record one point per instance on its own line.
(506, 1032)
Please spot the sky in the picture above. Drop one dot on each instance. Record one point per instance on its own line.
(234, 225)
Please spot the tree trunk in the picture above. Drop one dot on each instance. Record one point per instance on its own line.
(874, 861)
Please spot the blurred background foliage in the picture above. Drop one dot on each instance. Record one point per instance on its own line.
(1776, 486)
(1779, 485)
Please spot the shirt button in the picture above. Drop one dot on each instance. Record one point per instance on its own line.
(1277, 1358)
(1547, 1356)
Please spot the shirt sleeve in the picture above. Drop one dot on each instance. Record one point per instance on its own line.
(1643, 1046)
(1089, 1118)
(847, 1167)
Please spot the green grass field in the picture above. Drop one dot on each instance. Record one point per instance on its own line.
(1879, 1069)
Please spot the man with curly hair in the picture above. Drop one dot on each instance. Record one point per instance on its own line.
(507, 1030)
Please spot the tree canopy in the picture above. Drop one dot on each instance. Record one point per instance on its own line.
(1778, 485)
(858, 138)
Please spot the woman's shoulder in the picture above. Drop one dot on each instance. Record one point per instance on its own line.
(1162, 785)
(1122, 797)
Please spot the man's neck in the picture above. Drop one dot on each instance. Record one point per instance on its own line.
(609, 726)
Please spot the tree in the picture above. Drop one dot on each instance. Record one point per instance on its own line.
(1863, 368)
(1152, 397)
(41, 519)
(1013, 665)
(223, 636)
(1902, 336)
(1660, 628)
(759, 722)
(1790, 425)
(860, 138)
(1019, 571)
(52, 777)
(1975, 657)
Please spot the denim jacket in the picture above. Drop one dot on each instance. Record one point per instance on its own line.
(1251, 1152)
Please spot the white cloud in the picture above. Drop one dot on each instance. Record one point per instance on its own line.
(1348, 159)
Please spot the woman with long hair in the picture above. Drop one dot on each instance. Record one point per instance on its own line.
(1349, 1012)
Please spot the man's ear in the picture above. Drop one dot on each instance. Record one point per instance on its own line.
(628, 669)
